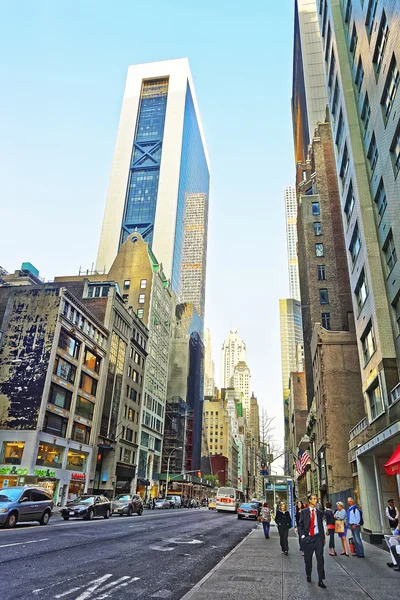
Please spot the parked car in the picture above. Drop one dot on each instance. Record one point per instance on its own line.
(258, 504)
(175, 501)
(162, 503)
(87, 507)
(247, 511)
(25, 503)
(212, 505)
(125, 504)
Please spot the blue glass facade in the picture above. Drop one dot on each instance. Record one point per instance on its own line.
(144, 173)
(194, 178)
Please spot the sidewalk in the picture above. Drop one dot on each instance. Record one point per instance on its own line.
(257, 570)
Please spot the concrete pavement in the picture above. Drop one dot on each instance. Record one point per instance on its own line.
(257, 570)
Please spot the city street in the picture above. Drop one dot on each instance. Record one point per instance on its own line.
(161, 554)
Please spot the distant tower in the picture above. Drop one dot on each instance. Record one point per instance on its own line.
(233, 351)
(291, 239)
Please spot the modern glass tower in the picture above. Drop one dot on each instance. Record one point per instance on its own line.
(160, 161)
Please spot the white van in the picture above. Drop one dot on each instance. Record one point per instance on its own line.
(175, 501)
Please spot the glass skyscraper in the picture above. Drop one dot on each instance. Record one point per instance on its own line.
(160, 162)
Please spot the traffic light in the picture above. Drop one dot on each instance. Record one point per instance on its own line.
(199, 474)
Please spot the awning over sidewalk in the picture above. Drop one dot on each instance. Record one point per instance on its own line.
(392, 467)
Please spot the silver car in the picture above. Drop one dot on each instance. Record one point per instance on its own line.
(25, 503)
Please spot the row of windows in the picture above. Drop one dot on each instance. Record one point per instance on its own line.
(62, 398)
(57, 425)
(127, 284)
(79, 320)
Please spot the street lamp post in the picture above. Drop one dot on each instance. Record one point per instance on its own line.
(169, 458)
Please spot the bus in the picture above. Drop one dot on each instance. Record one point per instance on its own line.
(228, 499)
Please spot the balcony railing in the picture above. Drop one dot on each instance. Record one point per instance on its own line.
(395, 394)
(363, 424)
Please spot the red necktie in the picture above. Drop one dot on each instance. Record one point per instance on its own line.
(312, 522)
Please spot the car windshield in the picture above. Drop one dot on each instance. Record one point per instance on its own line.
(169, 498)
(123, 498)
(247, 506)
(10, 494)
(83, 500)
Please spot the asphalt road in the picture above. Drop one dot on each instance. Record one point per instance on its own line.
(161, 554)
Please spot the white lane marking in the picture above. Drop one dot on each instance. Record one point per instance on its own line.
(120, 583)
(71, 591)
(93, 585)
(61, 581)
(176, 541)
(161, 548)
(23, 543)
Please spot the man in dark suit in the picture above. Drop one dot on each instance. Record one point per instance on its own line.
(313, 538)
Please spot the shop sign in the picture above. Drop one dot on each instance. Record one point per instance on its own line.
(78, 476)
(13, 471)
(44, 473)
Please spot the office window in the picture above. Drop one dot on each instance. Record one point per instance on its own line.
(319, 250)
(348, 9)
(369, 21)
(359, 75)
(141, 298)
(390, 89)
(361, 291)
(328, 42)
(339, 131)
(326, 320)
(315, 208)
(68, 344)
(395, 151)
(368, 343)
(64, 370)
(375, 401)
(389, 251)
(60, 397)
(55, 425)
(104, 291)
(81, 433)
(92, 361)
(127, 284)
(321, 272)
(133, 395)
(317, 228)
(324, 19)
(88, 384)
(353, 41)
(84, 408)
(380, 199)
(381, 42)
(348, 207)
(129, 434)
(344, 165)
(331, 68)
(396, 309)
(373, 153)
(335, 98)
(323, 296)
(355, 244)
(140, 312)
(366, 113)
(143, 284)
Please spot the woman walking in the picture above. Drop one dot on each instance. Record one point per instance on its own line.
(284, 523)
(341, 526)
(299, 508)
(330, 527)
(265, 517)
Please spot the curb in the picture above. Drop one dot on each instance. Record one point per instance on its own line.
(202, 581)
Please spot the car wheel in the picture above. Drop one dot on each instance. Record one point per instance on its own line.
(239, 517)
(107, 515)
(140, 511)
(11, 520)
(66, 518)
(130, 512)
(45, 518)
(89, 516)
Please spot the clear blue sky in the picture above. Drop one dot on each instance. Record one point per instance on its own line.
(63, 70)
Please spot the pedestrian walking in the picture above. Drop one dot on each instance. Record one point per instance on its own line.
(355, 520)
(392, 514)
(330, 528)
(341, 527)
(299, 508)
(313, 538)
(265, 517)
(284, 523)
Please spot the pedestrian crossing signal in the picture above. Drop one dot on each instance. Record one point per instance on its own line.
(198, 473)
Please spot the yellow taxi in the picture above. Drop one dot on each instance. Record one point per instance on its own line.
(212, 505)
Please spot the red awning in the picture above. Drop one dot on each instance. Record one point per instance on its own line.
(392, 467)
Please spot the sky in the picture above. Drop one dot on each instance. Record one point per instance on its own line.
(62, 76)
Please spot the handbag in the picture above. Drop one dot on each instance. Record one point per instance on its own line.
(339, 526)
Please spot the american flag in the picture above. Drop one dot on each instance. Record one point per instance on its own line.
(301, 462)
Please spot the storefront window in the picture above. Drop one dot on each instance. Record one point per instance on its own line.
(80, 433)
(49, 456)
(76, 461)
(11, 453)
(92, 361)
(84, 408)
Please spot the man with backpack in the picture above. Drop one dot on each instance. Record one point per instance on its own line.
(355, 520)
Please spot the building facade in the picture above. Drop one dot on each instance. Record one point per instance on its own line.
(160, 166)
(233, 351)
(291, 240)
(361, 42)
